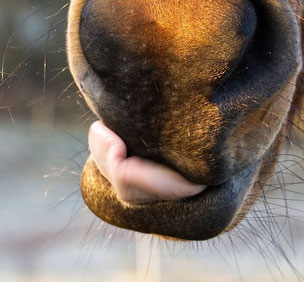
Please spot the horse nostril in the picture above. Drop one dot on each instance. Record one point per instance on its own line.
(130, 45)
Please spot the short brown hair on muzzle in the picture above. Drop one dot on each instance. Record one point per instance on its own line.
(203, 87)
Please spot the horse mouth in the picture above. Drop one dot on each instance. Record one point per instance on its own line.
(199, 217)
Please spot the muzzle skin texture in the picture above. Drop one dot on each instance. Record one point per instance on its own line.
(203, 87)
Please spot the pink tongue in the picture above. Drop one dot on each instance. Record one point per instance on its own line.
(140, 180)
(136, 180)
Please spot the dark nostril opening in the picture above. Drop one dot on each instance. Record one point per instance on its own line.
(271, 57)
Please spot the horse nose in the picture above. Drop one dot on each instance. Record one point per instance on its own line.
(148, 57)
(126, 42)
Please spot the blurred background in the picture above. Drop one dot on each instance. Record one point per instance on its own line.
(47, 233)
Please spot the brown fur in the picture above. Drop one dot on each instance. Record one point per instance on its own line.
(195, 136)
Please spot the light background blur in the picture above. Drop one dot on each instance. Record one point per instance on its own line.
(47, 233)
